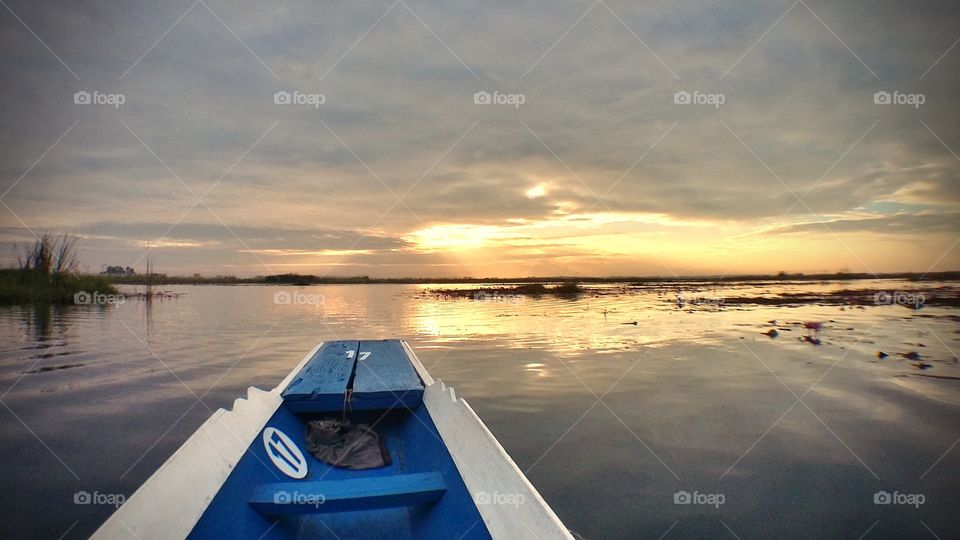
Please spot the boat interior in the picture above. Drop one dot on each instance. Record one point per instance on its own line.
(279, 490)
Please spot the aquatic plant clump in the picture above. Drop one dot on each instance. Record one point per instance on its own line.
(46, 272)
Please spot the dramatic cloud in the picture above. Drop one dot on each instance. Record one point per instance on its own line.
(587, 160)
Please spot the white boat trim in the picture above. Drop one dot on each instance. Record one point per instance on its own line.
(508, 503)
(189, 480)
(171, 502)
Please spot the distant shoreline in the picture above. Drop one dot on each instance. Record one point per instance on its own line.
(305, 280)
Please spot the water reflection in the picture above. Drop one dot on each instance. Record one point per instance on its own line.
(697, 384)
(148, 314)
(44, 322)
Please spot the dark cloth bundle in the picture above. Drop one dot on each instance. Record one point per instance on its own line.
(342, 444)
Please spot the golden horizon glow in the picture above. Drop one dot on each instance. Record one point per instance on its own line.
(599, 231)
(613, 243)
(454, 236)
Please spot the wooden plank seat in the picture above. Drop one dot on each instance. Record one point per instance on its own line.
(322, 382)
(373, 375)
(308, 497)
(384, 377)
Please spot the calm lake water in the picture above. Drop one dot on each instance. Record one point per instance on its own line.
(612, 421)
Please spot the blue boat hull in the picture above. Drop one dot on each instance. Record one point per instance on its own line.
(415, 446)
(247, 472)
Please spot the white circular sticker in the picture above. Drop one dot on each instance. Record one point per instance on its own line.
(284, 453)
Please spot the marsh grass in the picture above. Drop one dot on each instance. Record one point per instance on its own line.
(46, 272)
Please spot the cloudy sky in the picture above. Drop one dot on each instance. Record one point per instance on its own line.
(588, 160)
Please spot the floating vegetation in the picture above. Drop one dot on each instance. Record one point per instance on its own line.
(53, 368)
(492, 293)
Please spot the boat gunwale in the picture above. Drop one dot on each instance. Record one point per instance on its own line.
(195, 463)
